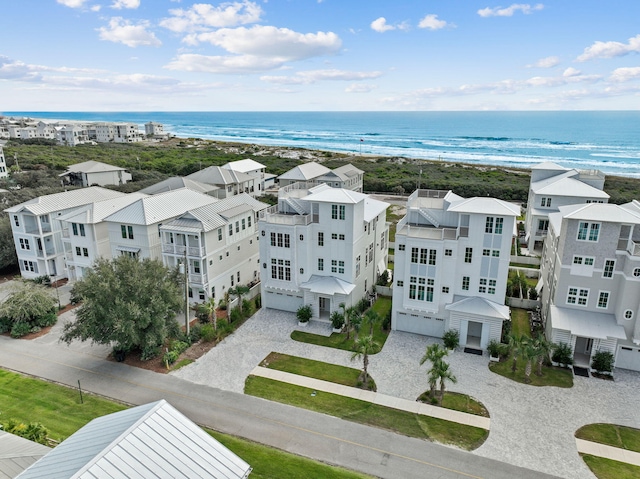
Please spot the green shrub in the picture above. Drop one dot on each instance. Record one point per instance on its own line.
(170, 357)
(47, 320)
(248, 308)
(207, 333)
(149, 352)
(603, 362)
(179, 346)
(562, 355)
(20, 329)
(202, 313)
(236, 315)
(363, 305)
(337, 320)
(5, 325)
(34, 431)
(304, 313)
(451, 339)
(195, 333)
(258, 302)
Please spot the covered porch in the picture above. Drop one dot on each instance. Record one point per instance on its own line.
(325, 294)
(478, 320)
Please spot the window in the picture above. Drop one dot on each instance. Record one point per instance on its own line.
(488, 225)
(249, 221)
(628, 314)
(400, 284)
(357, 266)
(238, 276)
(82, 230)
(320, 239)
(445, 289)
(482, 288)
(578, 296)
(341, 237)
(281, 269)
(85, 252)
(24, 244)
(78, 251)
(301, 237)
(400, 247)
(273, 239)
(74, 228)
(29, 266)
(320, 264)
(196, 267)
(603, 299)
(280, 242)
(123, 231)
(412, 290)
(636, 272)
(492, 286)
(588, 231)
(495, 253)
(414, 255)
(16, 221)
(237, 226)
(543, 225)
(343, 210)
(499, 226)
(432, 257)
(219, 234)
(287, 241)
(423, 256)
(243, 224)
(448, 252)
(486, 252)
(232, 279)
(126, 231)
(341, 267)
(580, 260)
(334, 236)
(231, 229)
(468, 255)
(465, 283)
(545, 202)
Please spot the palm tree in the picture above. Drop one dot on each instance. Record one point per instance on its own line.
(443, 373)
(544, 349)
(363, 347)
(515, 346)
(349, 314)
(210, 307)
(433, 354)
(239, 291)
(371, 318)
(356, 323)
(529, 353)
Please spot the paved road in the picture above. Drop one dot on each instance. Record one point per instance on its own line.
(324, 438)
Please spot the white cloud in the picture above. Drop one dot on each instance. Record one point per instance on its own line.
(72, 3)
(313, 76)
(432, 23)
(571, 72)
(123, 31)
(625, 74)
(95, 8)
(202, 16)
(239, 64)
(509, 11)
(380, 25)
(360, 88)
(119, 4)
(610, 49)
(271, 42)
(547, 62)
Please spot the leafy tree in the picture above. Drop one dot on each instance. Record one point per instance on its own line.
(238, 292)
(129, 302)
(28, 306)
(362, 348)
(8, 257)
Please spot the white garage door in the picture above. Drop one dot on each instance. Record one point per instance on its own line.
(628, 358)
(281, 301)
(420, 325)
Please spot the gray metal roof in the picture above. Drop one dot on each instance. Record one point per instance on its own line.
(91, 166)
(62, 201)
(216, 175)
(96, 212)
(244, 166)
(17, 453)
(490, 206)
(150, 441)
(566, 186)
(304, 172)
(177, 182)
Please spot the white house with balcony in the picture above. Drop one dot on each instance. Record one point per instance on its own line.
(252, 168)
(72, 135)
(97, 173)
(178, 182)
(590, 276)
(153, 129)
(37, 233)
(228, 181)
(220, 243)
(135, 229)
(84, 233)
(451, 266)
(321, 246)
(126, 133)
(4, 171)
(553, 186)
(346, 176)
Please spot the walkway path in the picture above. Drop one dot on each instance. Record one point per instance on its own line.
(374, 397)
(608, 452)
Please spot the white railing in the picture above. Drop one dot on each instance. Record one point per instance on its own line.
(65, 232)
(179, 249)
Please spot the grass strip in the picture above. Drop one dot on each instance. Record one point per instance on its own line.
(362, 412)
(312, 369)
(458, 402)
(612, 435)
(551, 376)
(270, 463)
(520, 324)
(604, 468)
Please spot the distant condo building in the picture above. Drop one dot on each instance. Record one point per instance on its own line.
(3, 162)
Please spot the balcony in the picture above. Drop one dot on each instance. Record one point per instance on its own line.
(171, 248)
(65, 232)
(271, 215)
(198, 279)
(541, 233)
(630, 247)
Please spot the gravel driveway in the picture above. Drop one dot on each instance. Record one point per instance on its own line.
(530, 426)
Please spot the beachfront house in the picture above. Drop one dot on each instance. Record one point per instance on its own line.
(591, 281)
(553, 186)
(229, 181)
(451, 266)
(38, 235)
(4, 172)
(251, 168)
(346, 176)
(220, 243)
(178, 182)
(321, 246)
(90, 173)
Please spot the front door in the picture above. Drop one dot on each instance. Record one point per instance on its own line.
(323, 306)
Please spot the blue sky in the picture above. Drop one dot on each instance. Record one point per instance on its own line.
(157, 55)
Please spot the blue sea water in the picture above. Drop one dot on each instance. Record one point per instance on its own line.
(604, 140)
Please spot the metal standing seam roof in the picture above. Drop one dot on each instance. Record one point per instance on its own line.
(96, 212)
(160, 207)
(66, 200)
(243, 166)
(479, 306)
(216, 175)
(18, 453)
(549, 165)
(587, 324)
(177, 182)
(328, 285)
(335, 195)
(305, 172)
(373, 208)
(91, 166)
(604, 212)
(150, 441)
(567, 187)
(485, 206)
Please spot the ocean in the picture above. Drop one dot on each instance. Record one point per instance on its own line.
(604, 140)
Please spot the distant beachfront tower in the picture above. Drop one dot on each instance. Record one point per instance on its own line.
(153, 129)
(3, 163)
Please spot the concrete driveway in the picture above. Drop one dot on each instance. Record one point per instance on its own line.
(530, 427)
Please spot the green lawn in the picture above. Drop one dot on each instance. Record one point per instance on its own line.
(551, 376)
(459, 402)
(611, 435)
(270, 463)
(339, 340)
(312, 369)
(402, 422)
(59, 409)
(607, 469)
(520, 322)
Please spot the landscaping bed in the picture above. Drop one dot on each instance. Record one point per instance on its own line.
(551, 375)
(457, 402)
